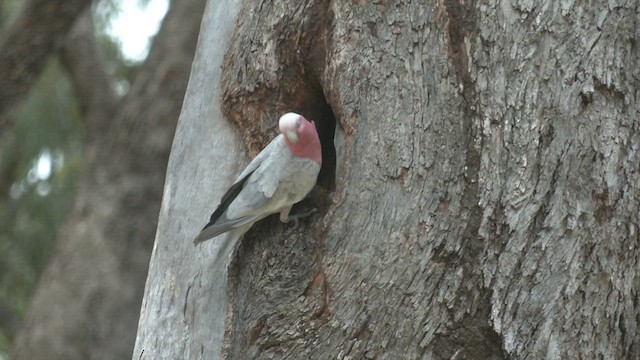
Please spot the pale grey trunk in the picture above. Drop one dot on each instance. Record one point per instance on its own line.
(185, 301)
(486, 204)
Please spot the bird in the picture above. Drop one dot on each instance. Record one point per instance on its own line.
(281, 175)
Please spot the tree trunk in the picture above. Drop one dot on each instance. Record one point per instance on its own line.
(486, 186)
(183, 310)
(87, 302)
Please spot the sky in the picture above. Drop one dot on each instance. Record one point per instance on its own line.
(135, 24)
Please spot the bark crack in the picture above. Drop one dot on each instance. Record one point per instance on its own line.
(473, 330)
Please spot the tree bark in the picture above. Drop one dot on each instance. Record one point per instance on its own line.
(87, 302)
(185, 302)
(34, 33)
(486, 191)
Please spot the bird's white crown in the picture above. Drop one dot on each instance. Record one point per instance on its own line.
(289, 121)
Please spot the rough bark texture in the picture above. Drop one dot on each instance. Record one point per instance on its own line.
(485, 203)
(35, 32)
(488, 203)
(87, 302)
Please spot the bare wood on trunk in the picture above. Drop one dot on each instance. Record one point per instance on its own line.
(185, 303)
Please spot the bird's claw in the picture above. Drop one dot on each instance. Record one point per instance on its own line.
(296, 218)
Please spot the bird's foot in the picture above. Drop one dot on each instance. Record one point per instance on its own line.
(296, 217)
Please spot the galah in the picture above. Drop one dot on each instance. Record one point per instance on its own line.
(282, 174)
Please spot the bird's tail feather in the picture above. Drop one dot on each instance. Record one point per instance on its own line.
(212, 230)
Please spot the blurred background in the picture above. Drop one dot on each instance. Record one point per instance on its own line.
(67, 123)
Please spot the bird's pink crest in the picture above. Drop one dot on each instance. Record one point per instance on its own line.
(301, 136)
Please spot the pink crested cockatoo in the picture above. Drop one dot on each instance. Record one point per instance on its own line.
(281, 175)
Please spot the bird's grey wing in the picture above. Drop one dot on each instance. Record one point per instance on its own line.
(242, 197)
(277, 142)
(257, 195)
(299, 177)
(227, 198)
(218, 222)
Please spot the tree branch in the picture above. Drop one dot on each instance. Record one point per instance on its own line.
(26, 43)
(83, 59)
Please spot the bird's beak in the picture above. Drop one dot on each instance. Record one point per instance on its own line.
(292, 136)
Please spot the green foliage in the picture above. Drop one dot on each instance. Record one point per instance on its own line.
(6, 8)
(39, 162)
